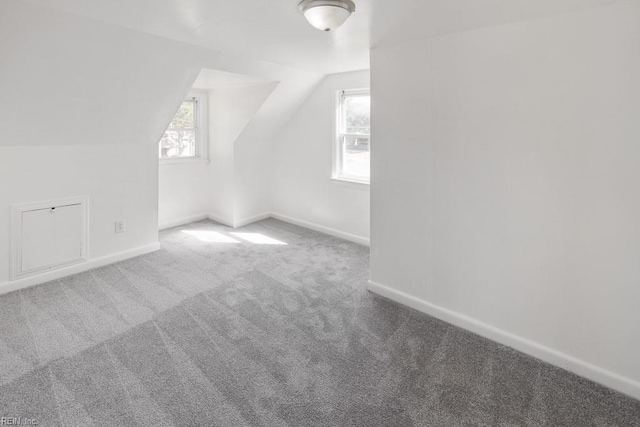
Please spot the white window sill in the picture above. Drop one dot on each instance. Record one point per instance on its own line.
(362, 185)
(183, 160)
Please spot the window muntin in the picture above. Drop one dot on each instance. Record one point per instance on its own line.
(180, 140)
(352, 159)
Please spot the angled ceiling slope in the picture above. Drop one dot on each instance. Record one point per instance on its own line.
(275, 31)
(65, 80)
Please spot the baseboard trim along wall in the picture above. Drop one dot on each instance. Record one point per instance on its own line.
(251, 220)
(321, 228)
(240, 222)
(183, 221)
(76, 268)
(609, 379)
(219, 220)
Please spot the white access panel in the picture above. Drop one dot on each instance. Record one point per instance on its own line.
(46, 238)
(68, 234)
(38, 241)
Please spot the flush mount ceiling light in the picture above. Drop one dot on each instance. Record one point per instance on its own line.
(327, 15)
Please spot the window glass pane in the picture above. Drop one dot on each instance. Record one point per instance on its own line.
(355, 157)
(185, 117)
(357, 110)
(178, 143)
(179, 140)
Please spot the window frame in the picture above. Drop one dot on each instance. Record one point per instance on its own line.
(337, 172)
(200, 129)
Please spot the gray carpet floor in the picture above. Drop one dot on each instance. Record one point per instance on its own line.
(269, 327)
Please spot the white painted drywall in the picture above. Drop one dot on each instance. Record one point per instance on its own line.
(302, 188)
(82, 106)
(505, 182)
(66, 80)
(222, 164)
(120, 180)
(253, 147)
(184, 183)
(250, 102)
(232, 109)
(183, 194)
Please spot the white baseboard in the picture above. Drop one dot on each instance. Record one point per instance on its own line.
(251, 220)
(295, 221)
(240, 222)
(220, 220)
(321, 228)
(539, 351)
(76, 268)
(183, 221)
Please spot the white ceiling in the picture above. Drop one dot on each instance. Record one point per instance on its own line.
(216, 79)
(275, 31)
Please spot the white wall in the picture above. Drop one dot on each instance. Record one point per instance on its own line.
(250, 101)
(505, 185)
(302, 189)
(253, 147)
(233, 108)
(221, 170)
(67, 81)
(55, 172)
(82, 106)
(184, 194)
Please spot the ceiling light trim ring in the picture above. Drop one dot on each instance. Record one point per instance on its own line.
(347, 5)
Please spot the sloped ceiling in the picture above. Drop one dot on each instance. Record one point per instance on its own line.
(275, 31)
(216, 79)
(67, 80)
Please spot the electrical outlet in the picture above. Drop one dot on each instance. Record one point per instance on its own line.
(119, 227)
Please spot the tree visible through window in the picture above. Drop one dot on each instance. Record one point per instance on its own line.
(352, 160)
(180, 138)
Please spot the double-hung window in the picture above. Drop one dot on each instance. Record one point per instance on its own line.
(353, 136)
(181, 139)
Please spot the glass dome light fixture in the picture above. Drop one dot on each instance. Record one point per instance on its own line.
(327, 15)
